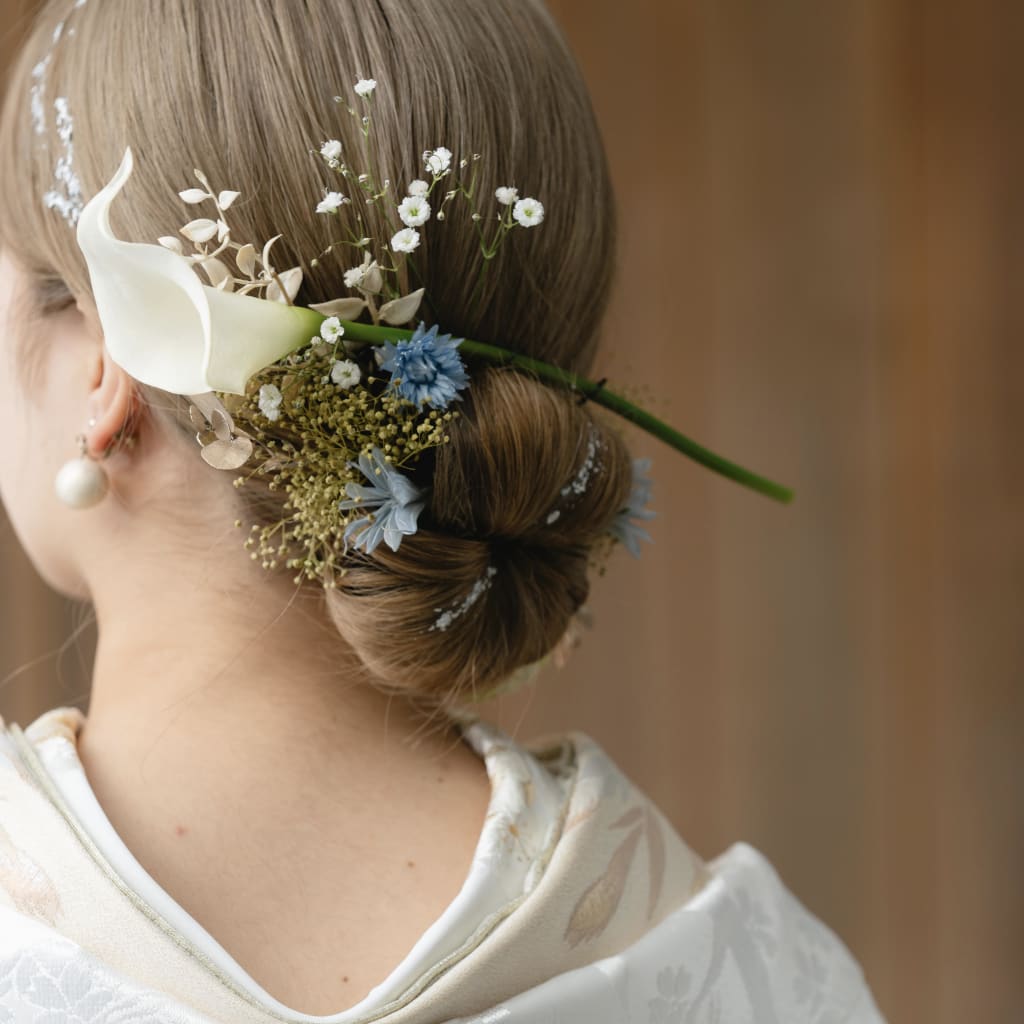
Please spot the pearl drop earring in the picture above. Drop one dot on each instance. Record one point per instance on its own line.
(82, 482)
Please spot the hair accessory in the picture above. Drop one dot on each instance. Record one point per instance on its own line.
(395, 500)
(479, 588)
(578, 485)
(329, 402)
(624, 528)
(66, 195)
(82, 482)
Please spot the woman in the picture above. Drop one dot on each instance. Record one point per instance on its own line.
(279, 806)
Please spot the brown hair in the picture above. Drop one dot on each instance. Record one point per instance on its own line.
(245, 92)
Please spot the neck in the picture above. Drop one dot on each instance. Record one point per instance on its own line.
(209, 653)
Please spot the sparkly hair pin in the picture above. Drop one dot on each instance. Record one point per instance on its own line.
(205, 323)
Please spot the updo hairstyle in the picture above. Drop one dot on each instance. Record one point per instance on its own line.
(531, 480)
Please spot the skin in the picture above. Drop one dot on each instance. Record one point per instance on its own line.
(309, 823)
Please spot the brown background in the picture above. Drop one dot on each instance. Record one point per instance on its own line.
(821, 278)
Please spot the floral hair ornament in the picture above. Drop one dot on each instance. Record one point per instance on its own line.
(168, 329)
(353, 403)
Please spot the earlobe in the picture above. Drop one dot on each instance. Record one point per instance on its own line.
(111, 405)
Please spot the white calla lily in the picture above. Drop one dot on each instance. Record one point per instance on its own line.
(164, 326)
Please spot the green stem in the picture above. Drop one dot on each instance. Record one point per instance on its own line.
(595, 392)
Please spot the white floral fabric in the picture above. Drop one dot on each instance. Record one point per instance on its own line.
(602, 915)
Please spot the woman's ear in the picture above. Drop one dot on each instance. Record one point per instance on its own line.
(112, 402)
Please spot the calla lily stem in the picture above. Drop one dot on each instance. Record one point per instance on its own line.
(595, 392)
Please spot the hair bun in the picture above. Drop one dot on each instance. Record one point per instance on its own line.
(527, 485)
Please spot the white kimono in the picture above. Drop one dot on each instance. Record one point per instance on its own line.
(582, 906)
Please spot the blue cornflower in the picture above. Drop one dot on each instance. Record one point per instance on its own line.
(427, 368)
(623, 528)
(395, 500)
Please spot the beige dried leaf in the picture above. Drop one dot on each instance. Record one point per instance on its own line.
(266, 252)
(217, 272)
(228, 454)
(401, 311)
(195, 414)
(222, 425)
(246, 260)
(344, 309)
(200, 231)
(291, 280)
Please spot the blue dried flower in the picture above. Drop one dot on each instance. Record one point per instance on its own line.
(427, 368)
(395, 500)
(624, 529)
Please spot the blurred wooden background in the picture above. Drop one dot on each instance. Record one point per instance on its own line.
(823, 246)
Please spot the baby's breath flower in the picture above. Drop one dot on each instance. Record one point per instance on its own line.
(506, 196)
(331, 151)
(345, 373)
(331, 329)
(438, 161)
(366, 277)
(270, 401)
(407, 240)
(332, 202)
(414, 211)
(418, 187)
(528, 212)
(365, 86)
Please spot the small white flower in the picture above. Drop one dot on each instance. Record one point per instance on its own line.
(365, 86)
(418, 188)
(345, 373)
(270, 401)
(438, 161)
(407, 240)
(331, 150)
(507, 196)
(331, 329)
(529, 212)
(366, 277)
(331, 203)
(414, 211)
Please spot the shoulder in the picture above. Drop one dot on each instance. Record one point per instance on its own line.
(632, 866)
(737, 900)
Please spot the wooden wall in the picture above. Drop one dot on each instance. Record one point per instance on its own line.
(820, 277)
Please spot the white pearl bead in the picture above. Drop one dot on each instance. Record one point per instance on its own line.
(81, 483)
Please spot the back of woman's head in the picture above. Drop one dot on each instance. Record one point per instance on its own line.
(531, 480)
